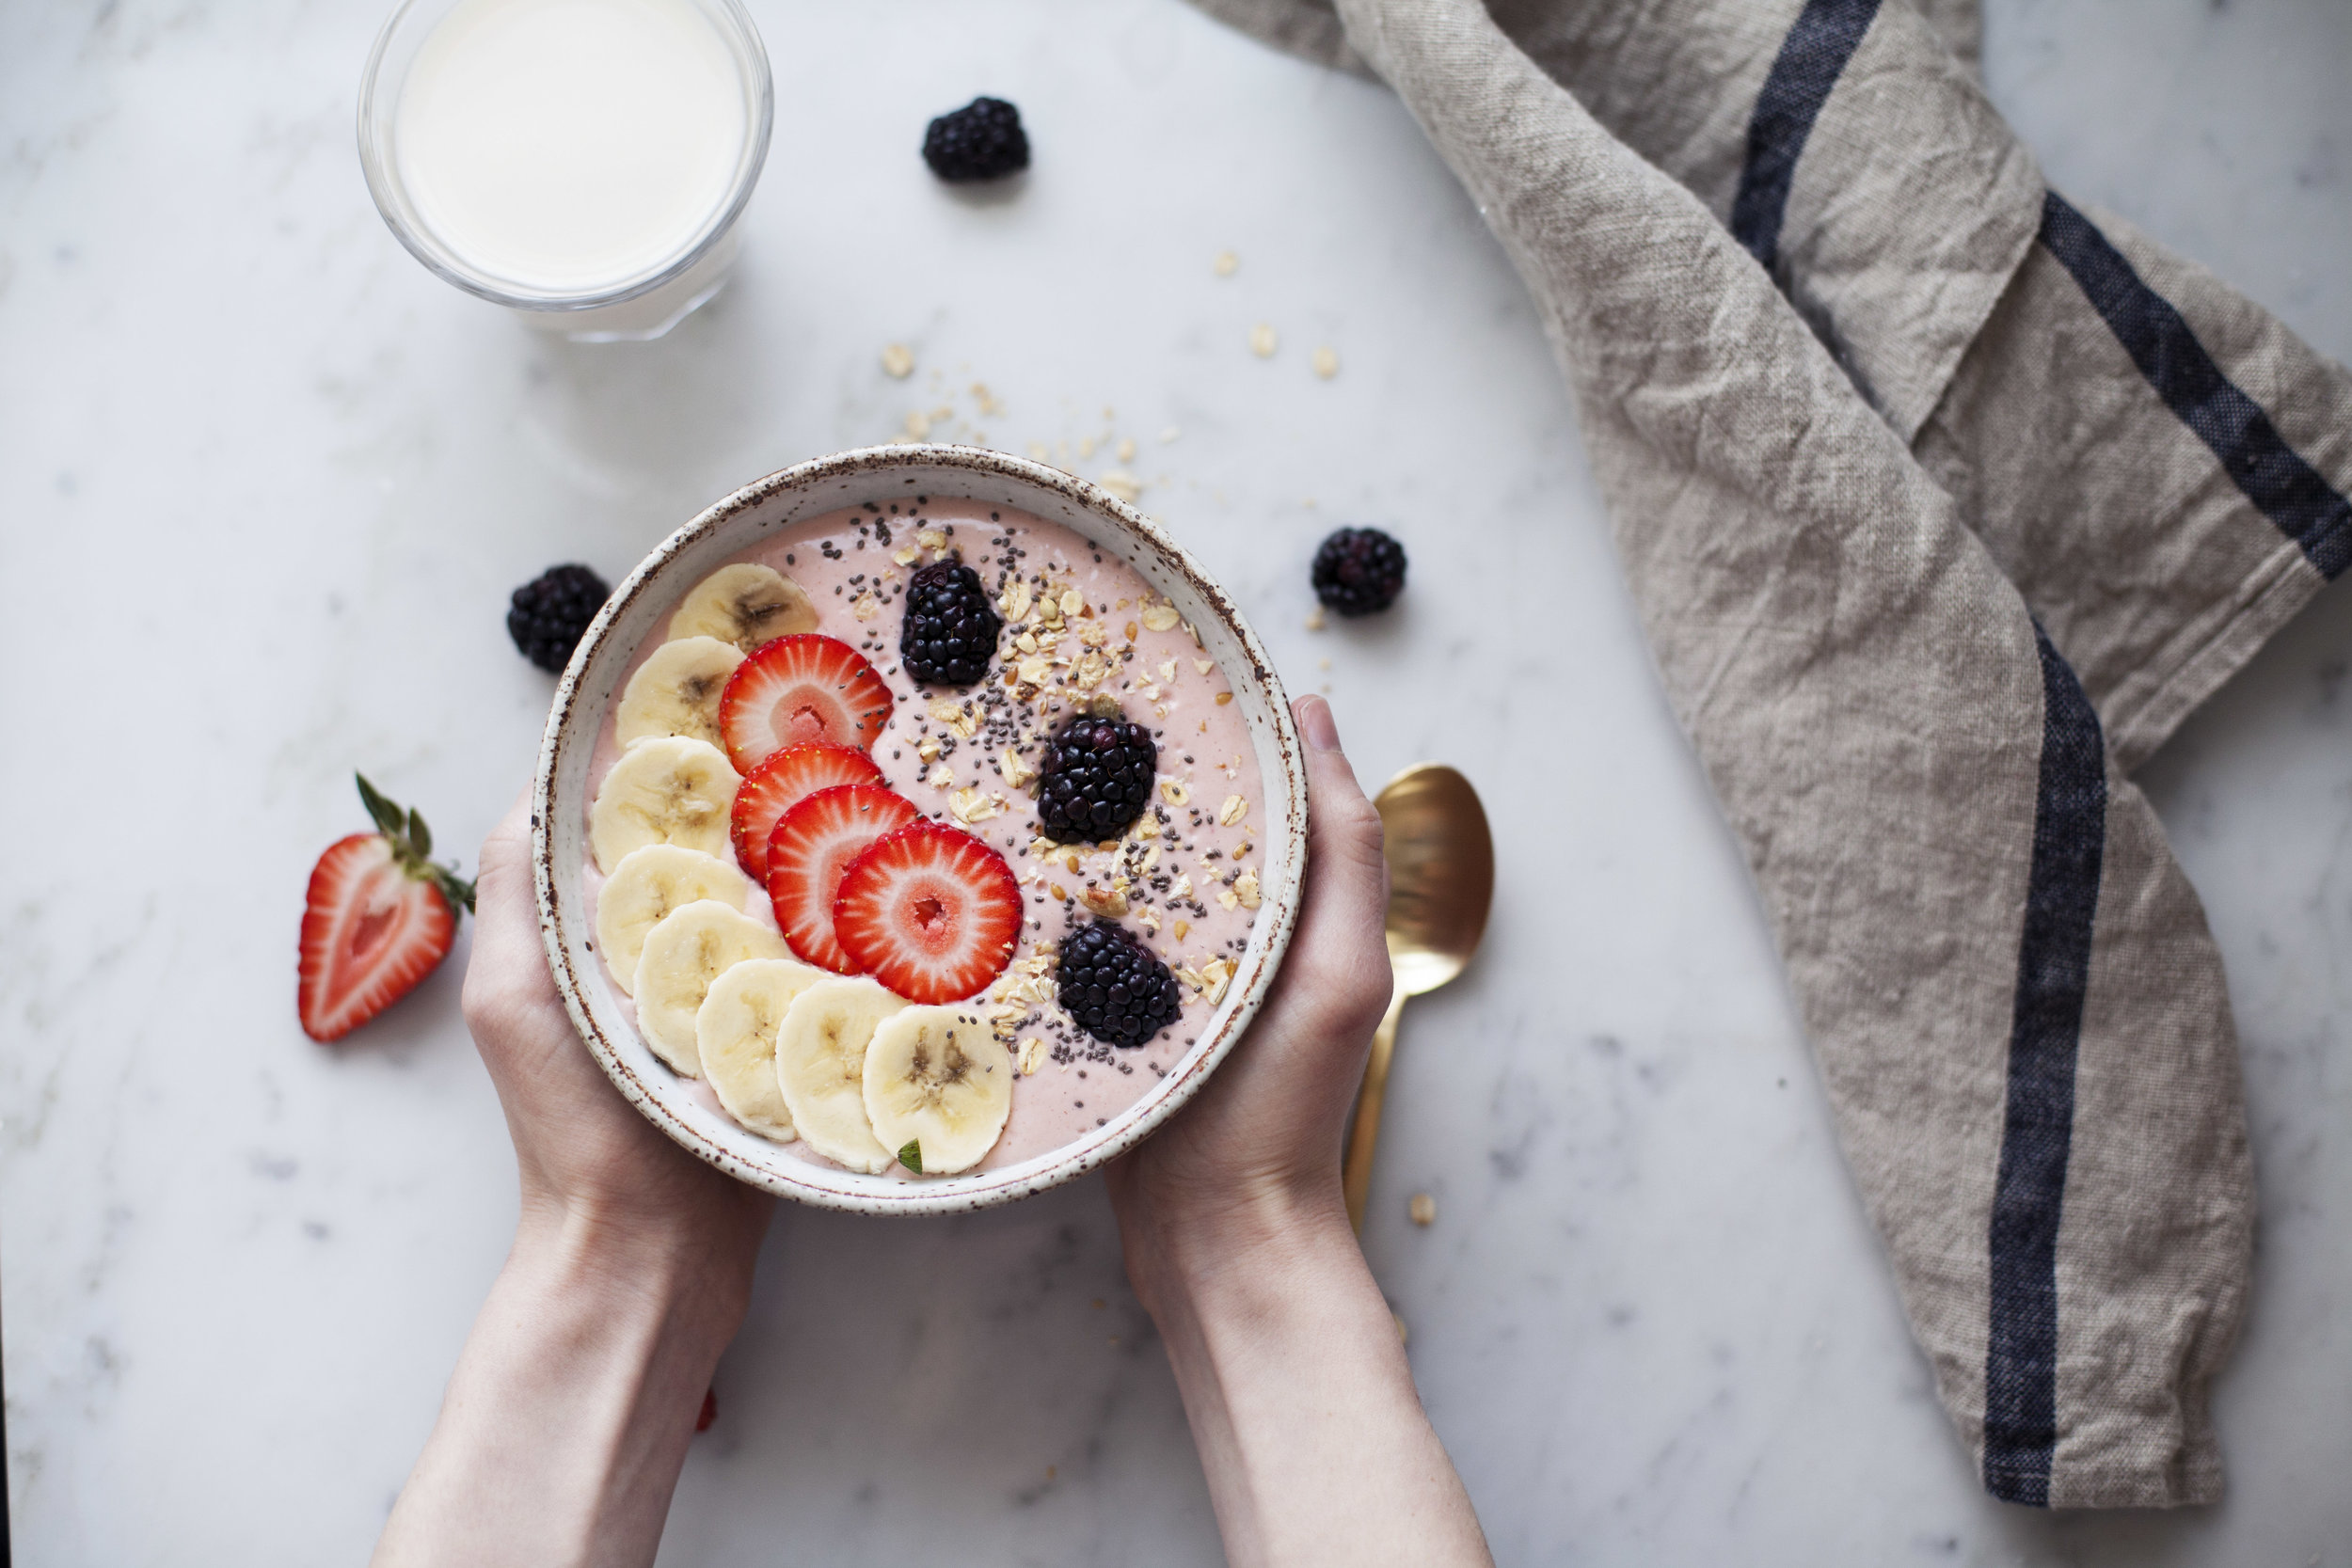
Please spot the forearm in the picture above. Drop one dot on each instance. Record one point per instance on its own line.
(1301, 1401)
(567, 1421)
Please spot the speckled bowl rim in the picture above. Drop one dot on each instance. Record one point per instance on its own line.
(761, 507)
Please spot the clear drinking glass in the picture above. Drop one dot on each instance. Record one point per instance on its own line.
(649, 299)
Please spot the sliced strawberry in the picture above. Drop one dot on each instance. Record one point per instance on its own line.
(930, 912)
(813, 844)
(783, 781)
(797, 689)
(379, 917)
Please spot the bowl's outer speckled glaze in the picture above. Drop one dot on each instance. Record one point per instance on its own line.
(590, 684)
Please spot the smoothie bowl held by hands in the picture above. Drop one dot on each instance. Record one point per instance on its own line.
(916, 830)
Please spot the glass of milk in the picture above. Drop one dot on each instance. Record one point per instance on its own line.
(580, 162)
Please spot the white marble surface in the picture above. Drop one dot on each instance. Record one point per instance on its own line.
(265, 484)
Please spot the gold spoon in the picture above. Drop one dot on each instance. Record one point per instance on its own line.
(1441, 878)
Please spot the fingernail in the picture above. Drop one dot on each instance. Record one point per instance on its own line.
(1316, 724)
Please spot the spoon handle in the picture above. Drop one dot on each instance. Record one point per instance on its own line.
(1355, 1170)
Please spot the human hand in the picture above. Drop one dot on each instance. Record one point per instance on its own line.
(586, 1159)
(1257, 1152)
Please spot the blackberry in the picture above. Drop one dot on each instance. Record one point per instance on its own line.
(983, 140)
(1359, 570)
(950, 630)
(547, 615)
(1114, 987)
(1095, 779)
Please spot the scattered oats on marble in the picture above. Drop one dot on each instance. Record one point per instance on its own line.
(1262, 341)
(918, 424)
(898, 361)
(1226, 263)
(1326, 363)
(1421, 1208)
(1315, 621)
(1126, 453)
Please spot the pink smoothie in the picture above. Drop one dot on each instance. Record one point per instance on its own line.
(1184, 880)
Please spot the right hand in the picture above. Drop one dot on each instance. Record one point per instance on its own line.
(1258, 1149)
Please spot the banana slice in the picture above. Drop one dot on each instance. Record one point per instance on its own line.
(820, 1068)
(688, 948)
(745, 605)
(735, 1036)
(644, 888)
(666, 790)
(937, 1078)
(675, 691)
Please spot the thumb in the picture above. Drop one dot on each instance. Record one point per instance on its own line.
(1341, 945)
(1343, 832)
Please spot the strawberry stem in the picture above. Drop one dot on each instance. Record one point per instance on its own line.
(412, 843)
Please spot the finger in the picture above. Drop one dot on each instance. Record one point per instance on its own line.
(1339, 961)
(1345, 868)
(508, 969)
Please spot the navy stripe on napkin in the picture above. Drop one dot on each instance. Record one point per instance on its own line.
(2287, 489)
(1811, 58)
(2037, 1133)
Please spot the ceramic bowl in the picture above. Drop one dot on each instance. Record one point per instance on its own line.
(592, 683)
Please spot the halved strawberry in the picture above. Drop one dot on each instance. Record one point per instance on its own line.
(783, 781)
(797, 689)
(813, 844)
(930, 912)
(379, 917)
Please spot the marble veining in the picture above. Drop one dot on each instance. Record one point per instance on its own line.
(265, 484)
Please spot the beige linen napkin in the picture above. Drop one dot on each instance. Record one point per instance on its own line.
(1852, 487)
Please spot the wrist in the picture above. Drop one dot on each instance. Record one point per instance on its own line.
(1214, 1249)
(688, 1282)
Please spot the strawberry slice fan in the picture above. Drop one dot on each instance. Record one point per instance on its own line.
(811, 847)
(783, 781)
(379, 917)
(930, 912)
(801, 689)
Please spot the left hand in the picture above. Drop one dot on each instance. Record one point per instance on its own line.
(585, 1157)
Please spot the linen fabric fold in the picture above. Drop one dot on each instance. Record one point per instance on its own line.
(1897, 543)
